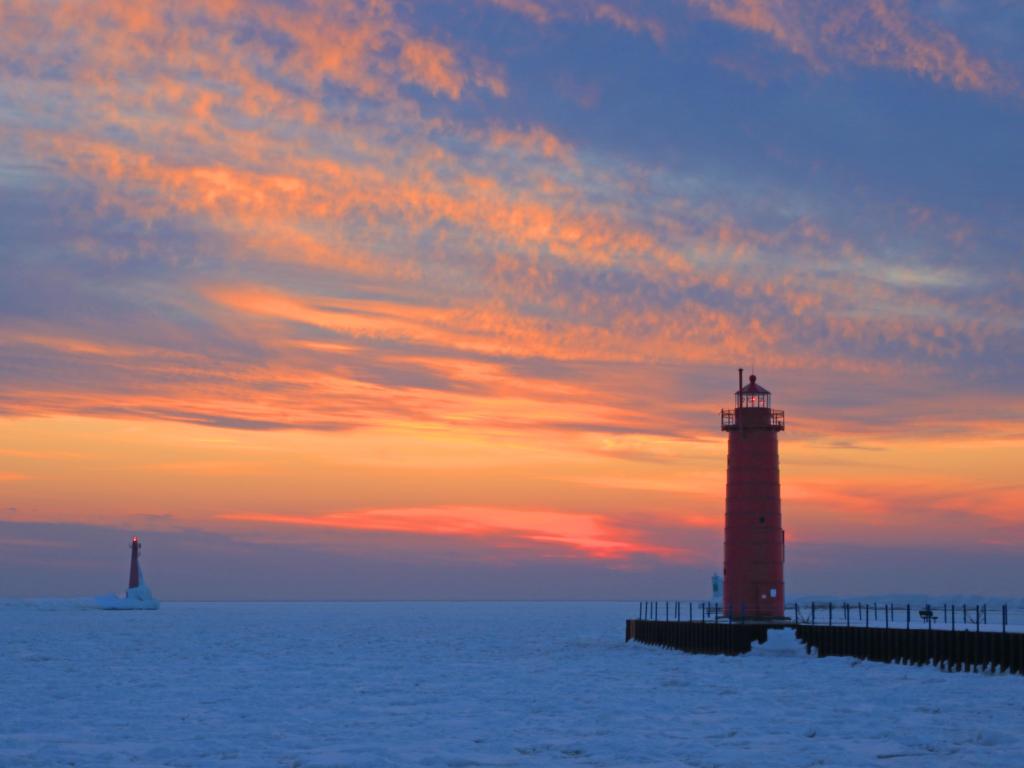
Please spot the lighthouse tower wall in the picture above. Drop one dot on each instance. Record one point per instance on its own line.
(754, 539)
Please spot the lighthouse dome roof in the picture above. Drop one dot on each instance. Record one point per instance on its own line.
(753, 388)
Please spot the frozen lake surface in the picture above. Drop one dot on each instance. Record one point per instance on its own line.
(461, 684)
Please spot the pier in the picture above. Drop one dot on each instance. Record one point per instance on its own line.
(901, 634)
(696, 636)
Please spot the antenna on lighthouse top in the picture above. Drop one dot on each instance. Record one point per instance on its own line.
(741, 378)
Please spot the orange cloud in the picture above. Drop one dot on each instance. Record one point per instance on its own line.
(629, 22)
(345, 42)
(878, 33)
(779, 19)
(529, 8)
(585, 10)
(432, 66)
(489, 329)
(587, 534)
(536, 141)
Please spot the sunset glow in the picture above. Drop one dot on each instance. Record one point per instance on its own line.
(464, 285)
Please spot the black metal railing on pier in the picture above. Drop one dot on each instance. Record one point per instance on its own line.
(963, 617)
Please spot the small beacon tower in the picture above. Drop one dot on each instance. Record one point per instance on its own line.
(754, 539)
(133, 571)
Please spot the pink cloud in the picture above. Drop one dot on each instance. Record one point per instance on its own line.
(585, 11)
(878, 33)
(586, 534)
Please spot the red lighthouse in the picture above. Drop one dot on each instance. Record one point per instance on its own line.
(754, 539)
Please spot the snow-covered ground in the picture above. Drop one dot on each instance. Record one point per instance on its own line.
(461, 684)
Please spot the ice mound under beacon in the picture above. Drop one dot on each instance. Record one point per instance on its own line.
(138, 597)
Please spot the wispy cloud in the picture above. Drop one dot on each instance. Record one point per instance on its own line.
(878, 33)
(616, 14)
(587, 534)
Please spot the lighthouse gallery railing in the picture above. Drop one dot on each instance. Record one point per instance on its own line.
(778, 419)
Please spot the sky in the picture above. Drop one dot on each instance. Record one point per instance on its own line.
(331, 299)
